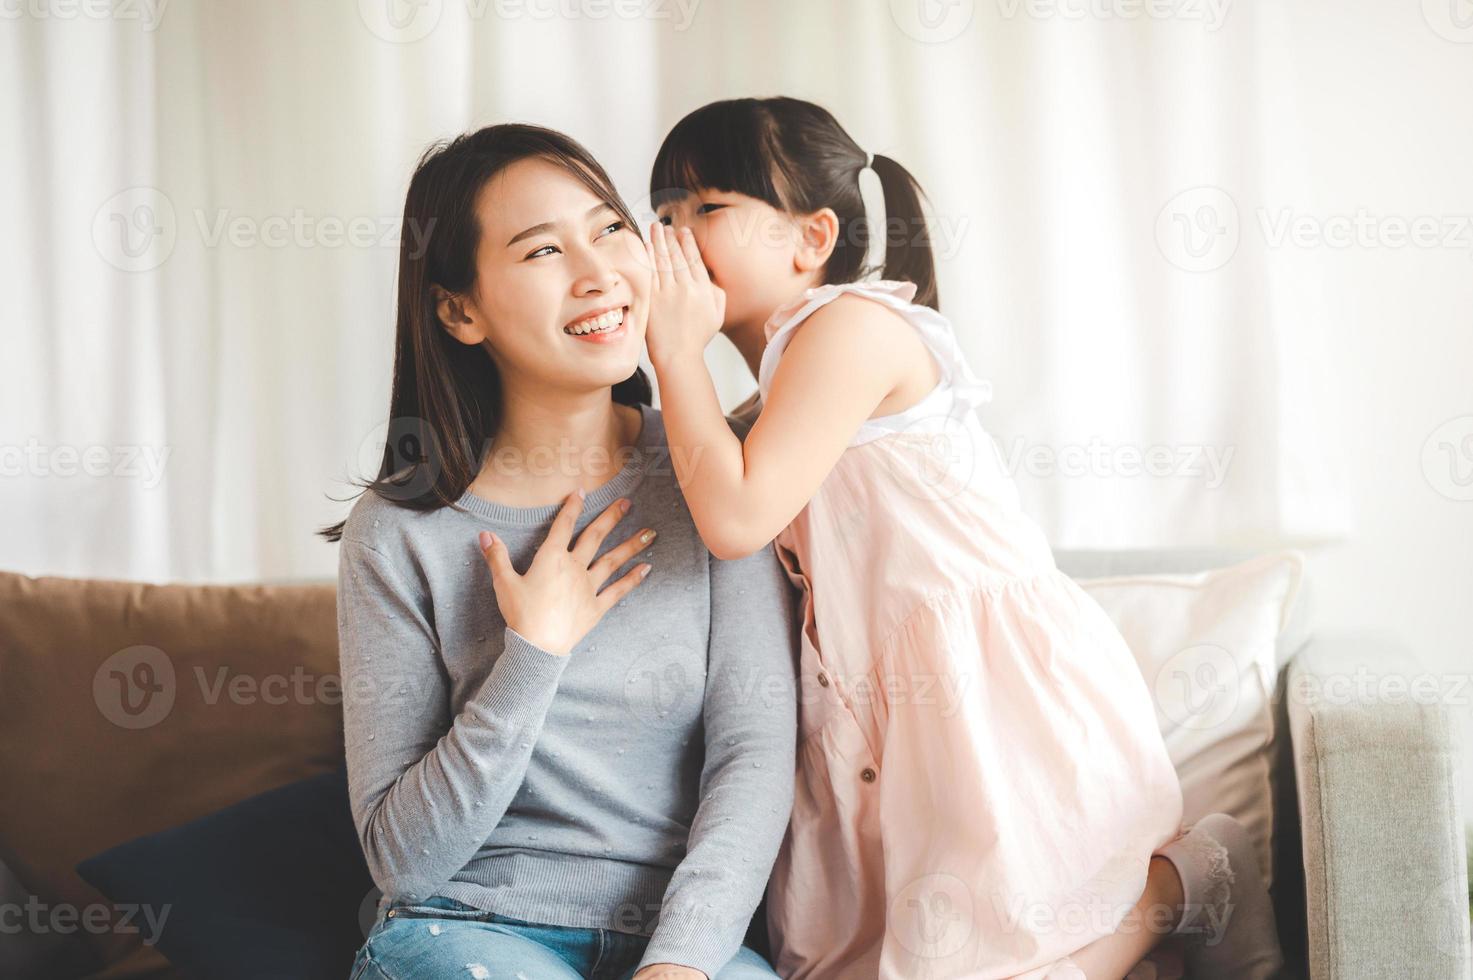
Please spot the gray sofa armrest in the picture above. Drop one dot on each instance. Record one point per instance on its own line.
(1376, 763)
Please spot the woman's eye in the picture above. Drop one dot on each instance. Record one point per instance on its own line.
(612, 227)
(665, 221)
(708, 208)
(544, 250)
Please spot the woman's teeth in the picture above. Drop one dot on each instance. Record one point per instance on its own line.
(597, 324)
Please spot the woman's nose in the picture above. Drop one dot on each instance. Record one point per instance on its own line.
(595, 274)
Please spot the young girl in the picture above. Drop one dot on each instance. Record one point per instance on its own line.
(982, 789)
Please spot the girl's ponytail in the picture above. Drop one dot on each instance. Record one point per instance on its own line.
(908, 254)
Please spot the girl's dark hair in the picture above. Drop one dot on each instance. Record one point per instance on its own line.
(795, 156)
(445, 405)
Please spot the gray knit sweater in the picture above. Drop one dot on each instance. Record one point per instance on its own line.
(641, 784)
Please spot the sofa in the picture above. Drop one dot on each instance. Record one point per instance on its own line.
(1369, 859)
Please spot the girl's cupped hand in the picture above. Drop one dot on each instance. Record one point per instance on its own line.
(686, 307)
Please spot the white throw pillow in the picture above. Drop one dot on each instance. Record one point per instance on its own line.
(1205, 644)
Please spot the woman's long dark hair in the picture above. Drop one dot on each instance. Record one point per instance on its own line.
(796, 157)
(445, 406)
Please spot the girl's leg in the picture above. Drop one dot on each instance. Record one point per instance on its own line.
(1205, 888)
(1155, 914)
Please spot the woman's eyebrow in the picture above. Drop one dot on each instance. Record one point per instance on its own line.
(549, 225)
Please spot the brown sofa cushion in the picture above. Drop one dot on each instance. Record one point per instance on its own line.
(127, 708)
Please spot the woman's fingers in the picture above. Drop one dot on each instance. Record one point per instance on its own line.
(615, 557)
(621, 588)
(561, 532)
(497, 559)
(593, 535)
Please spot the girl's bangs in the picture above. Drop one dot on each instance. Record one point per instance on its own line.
(723, 147)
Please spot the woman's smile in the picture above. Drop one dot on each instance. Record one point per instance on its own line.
(602, 327)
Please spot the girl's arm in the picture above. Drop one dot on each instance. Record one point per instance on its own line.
(838, 367)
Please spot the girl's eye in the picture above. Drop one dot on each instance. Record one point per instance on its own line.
(665, 221)
(544, 250)
(708, 208)
(612, 227)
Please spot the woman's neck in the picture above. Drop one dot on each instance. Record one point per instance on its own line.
(546, 446)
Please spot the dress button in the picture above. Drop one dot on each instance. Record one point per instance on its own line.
(823, 679)
(391, 913)
(868, 775)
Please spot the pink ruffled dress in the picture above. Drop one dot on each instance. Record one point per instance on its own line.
(981, 780)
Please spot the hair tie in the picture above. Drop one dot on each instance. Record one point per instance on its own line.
(872, 193)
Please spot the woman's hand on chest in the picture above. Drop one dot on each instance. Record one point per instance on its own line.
(557, 600)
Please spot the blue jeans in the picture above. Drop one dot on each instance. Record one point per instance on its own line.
(445, 938)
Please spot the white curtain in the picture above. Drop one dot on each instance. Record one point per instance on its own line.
(200, 203)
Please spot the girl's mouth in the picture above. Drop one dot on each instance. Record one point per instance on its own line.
(601, 329)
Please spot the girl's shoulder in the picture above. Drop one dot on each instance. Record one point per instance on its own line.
(876, 304)
(893, 294)
(875, 300)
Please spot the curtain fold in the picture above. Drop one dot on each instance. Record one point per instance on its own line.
(202, 214)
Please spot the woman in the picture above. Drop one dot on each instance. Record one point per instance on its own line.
(559, 765)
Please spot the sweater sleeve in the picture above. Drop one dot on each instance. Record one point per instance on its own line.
(750, 719)
(426, 790)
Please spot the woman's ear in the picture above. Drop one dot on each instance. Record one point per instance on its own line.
(457, 316)
(818, 234)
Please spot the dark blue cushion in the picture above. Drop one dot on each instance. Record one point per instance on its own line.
(272, 887)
